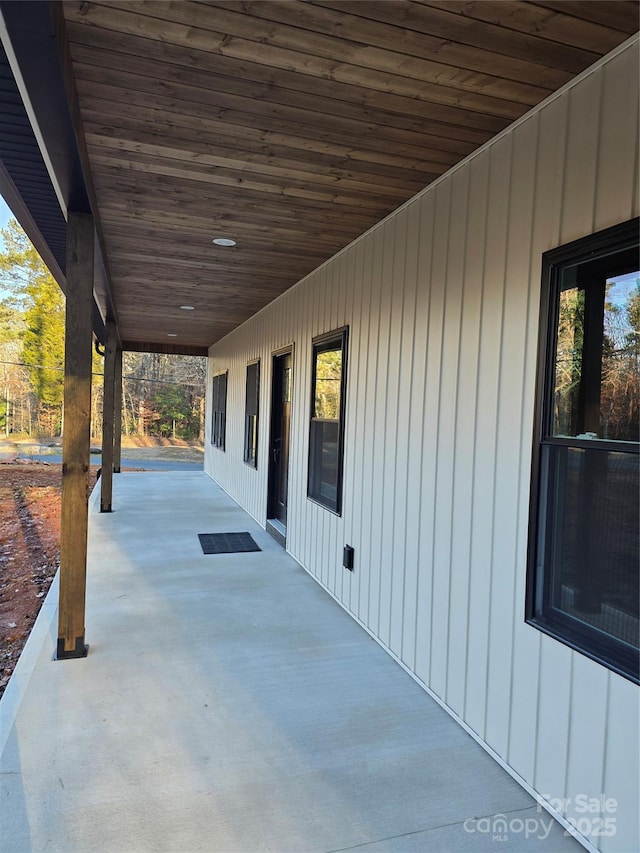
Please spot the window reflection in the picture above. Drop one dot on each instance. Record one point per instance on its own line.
(327, 387)
(327, 419)
(593, 540)
(597, 364)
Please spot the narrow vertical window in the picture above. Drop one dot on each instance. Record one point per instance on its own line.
(326, 433)
(583, 545)
(251, 414)
(219, 410)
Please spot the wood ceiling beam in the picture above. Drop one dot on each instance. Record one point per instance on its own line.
(166, 349)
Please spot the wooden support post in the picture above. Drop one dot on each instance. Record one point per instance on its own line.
(108, 415)
(76, 437)
(117, 415)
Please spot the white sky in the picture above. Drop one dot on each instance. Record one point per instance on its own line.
(5, 213)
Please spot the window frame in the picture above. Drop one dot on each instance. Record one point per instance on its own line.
(251, 458)
(219, 415)
(605, 650)
(335, 339)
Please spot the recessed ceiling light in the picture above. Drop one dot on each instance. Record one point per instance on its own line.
(187, 307)
(171, 335)
(224, 241)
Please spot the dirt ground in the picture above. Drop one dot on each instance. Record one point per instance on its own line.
(29, 551)
(30, 531)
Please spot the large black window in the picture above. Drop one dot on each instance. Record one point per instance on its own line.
(326, 433)
(219, 409)
(583, 543)
(251, 414)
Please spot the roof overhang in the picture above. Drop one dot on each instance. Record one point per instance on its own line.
(292, 127)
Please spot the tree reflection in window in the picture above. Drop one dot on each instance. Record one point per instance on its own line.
(328, 382)
(583, 549)
(597, 387)
(326, 430)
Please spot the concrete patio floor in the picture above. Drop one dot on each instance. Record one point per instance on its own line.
(229, 704)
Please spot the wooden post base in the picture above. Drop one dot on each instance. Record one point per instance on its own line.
(80, 651)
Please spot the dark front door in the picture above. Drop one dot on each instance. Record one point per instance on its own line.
(279, 444)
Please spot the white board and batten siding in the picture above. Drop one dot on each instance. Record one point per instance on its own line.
(441, 300)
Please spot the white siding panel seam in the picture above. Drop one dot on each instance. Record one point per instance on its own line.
(598, 141)
(424, 438)
(534, 774)
(373, 439)
(362, 570)
(564, 130)
(526, 431)
(495, 465)
(442, 285)
(605, 751)
(455, 432)
(473, 495)
(567, 743)
(410, 533)
(385, 411)
(392, 407)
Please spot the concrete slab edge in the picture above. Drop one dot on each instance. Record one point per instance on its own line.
(43, 631)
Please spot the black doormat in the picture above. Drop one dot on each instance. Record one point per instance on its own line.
(227, 543)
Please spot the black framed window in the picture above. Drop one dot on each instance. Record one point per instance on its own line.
(219, 410)
(326, 432)
(251, 414)
(582, 585)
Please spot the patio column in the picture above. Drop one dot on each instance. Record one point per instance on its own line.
(117, 414)
(76, 437)
(108, 417)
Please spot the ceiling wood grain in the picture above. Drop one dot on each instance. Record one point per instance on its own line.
(292, 127)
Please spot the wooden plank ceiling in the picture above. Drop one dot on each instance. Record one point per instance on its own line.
(291, 127)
